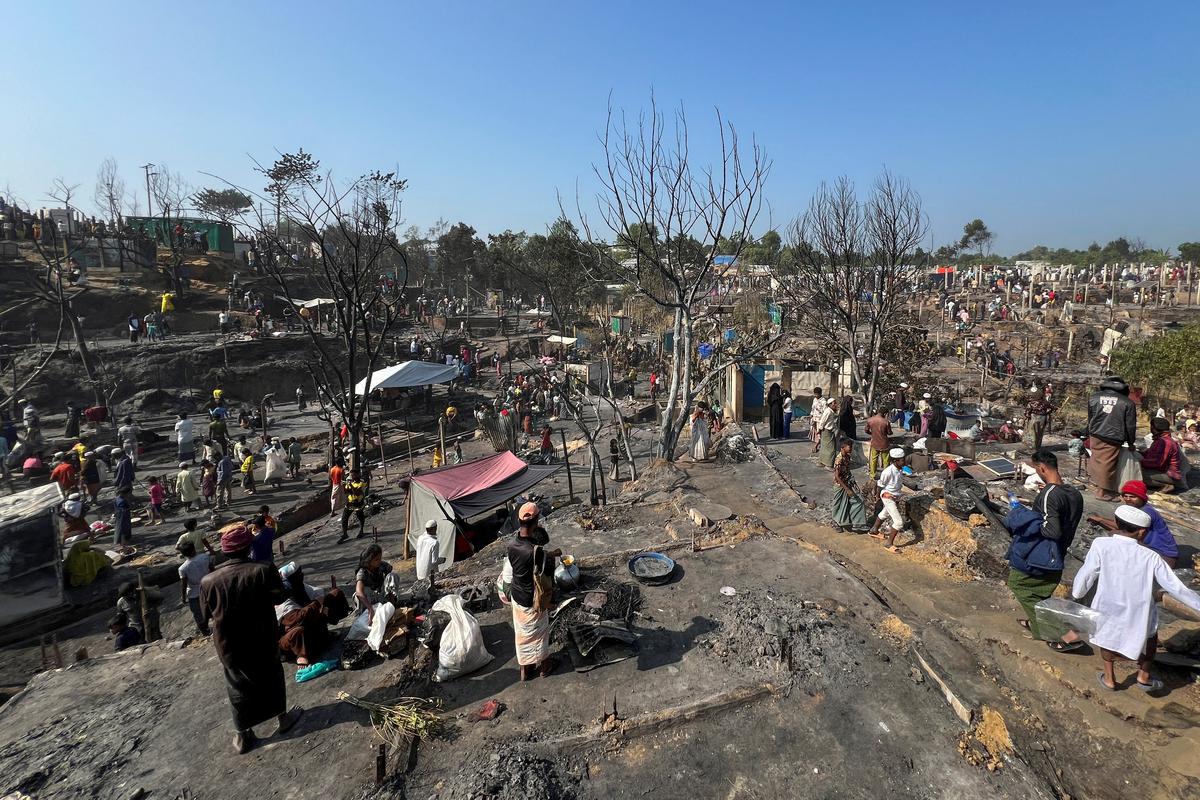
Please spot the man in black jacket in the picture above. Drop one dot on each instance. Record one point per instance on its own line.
(1112, 421)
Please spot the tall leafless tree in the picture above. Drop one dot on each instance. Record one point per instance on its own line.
(667, 217)
(109, 193)
(345, 243)
(171, 196)
(852, 270)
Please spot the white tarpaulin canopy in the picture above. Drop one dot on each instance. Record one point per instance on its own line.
(554, 338)
(407, 375)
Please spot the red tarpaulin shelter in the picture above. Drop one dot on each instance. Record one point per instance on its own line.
(465, 490)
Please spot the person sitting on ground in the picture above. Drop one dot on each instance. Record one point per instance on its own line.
(191, 572)
(305, 616)
(1158, 536)
(890, 484)
(1162, 462)
(371, 583)
(129, 602)
(124, 635)
(1124, 575)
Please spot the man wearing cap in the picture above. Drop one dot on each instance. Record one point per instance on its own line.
(1158, 536)
(1124, 575)
(239, 598)
(1162, 465)
(427, 553)
(531, 620)
(889, 493)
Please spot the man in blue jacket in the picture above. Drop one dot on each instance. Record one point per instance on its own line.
(1061, 509)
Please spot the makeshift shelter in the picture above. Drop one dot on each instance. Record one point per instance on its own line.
(30, 553)
(407, 375)
(453, 494)
(566, 341)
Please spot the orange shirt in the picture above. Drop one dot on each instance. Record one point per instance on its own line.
(64, 475)
(335, 475)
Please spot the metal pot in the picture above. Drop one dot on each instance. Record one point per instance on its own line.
(566, 576)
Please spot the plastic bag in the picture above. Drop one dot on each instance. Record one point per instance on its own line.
(315, 670)
(383, 613)
(1057, 615)
(461, 650)
(504, 583)
(360, 628)
(1129, 466)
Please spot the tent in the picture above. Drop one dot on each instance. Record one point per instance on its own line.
(467, 490)
(407, 375)
(567, 341)
(30, 553)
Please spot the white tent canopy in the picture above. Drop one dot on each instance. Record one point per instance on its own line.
(407, 375)
(554, 338)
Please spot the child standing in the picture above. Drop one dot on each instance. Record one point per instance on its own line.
(248, 474)
(191, 572)
(1124, 573)
(158, 495)
(208, 483)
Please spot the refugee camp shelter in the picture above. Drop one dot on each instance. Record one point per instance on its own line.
(455, 494)
(31, 578)
(218, 236)
(407, 375)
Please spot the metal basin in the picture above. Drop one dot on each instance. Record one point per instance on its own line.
(651, 568)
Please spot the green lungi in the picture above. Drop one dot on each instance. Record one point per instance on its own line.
(1030, 591)
(848, 510)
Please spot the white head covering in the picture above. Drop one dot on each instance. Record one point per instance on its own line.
(903, 385)
(1133, 515)
(896, 452)
(431, 523)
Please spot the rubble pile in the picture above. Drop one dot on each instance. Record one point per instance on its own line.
(734, 446)
(779, 633)
(509, 775)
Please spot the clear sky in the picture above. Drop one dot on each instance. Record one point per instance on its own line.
(1056, 123)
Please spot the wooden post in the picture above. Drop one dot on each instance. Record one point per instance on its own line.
(381, 764)
(1070, 343)
(408, 432)
(145, 605)
(567, 460)
(442, 436)
(382, 457)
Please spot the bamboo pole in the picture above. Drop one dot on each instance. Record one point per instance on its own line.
(567, 459)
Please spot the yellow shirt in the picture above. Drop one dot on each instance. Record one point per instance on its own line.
(248, 464)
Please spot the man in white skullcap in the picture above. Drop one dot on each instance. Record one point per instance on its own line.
(889, 493)
(1124, 573)
(427, 553)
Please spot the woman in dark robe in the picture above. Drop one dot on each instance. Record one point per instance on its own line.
(846, 422)
(775, 408)
(305, 617)
(937, 419)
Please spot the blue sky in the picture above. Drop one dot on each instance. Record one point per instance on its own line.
(1056, 123)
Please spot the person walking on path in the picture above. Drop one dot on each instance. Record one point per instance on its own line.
(1112, 422)
(1037, 553)
(356, 498)
(890, 484)
(849, 513)
(239, 599)
(1124, 574)
(337, 495)
(814, 417)
(879, 432)
(827, 427)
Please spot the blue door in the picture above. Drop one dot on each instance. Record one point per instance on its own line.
(753, 396)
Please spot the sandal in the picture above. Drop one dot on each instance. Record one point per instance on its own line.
(1100, 679)
(1064, 647)
(1153, 686)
